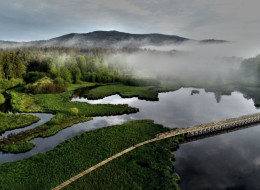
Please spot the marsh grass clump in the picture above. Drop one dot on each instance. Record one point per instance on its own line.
(74, 111)
(14, 121)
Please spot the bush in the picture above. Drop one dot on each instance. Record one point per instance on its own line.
(46, 86)
(2, 99)
(74, 111)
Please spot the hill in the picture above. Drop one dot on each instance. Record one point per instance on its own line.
(106, 39)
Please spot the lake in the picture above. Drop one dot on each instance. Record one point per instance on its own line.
(227, 161)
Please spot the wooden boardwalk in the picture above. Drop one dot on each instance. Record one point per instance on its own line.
(189, 132)
(213, 127)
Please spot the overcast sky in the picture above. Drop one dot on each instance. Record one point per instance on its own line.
(24, 20)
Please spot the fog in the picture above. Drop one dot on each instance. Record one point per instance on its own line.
(189, 60)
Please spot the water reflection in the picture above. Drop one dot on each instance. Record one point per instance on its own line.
(228, 161)
(180, 109)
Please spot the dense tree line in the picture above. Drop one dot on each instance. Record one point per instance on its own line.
(52, 69)
(11, 66)
(72, 69)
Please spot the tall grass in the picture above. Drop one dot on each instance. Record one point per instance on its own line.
(149, 167)
(14, 121)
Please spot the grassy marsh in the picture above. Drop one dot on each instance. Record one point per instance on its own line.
(147, 167)
(14, 121)
(124, 91)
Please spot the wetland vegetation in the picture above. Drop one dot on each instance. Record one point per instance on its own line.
(43, 80)
(148, 167)
(14, 121)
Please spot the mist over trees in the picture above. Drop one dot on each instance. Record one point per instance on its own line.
(53, 69)
(250, 70)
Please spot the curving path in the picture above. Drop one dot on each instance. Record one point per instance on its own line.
(190, 131)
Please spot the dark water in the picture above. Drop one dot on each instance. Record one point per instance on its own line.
(181, 109)
(228, 161)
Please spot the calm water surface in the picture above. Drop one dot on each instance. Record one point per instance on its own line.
(228, 161)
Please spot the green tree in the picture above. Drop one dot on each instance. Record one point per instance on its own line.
(76, 75)
(20, 68)
(8, 67)
(2, 74)
(2, 99)
(66, 74)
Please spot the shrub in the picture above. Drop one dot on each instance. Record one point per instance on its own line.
(74, 111)
(46, 86)
(2, 99)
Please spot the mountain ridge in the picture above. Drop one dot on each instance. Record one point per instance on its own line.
(111, 38)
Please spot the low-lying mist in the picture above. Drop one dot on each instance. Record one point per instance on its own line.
(191, 60)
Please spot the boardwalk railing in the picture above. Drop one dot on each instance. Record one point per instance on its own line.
(213, 126)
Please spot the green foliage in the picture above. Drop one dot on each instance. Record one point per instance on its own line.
(124, 91)
(23, 102)
(6, 84)
(14, 121)
(74, 111)
(66, 75)
(54, 103)
(45, 86)
(11, 66)
(148, 167)
(31, 77)
(176, 177)
(2, 99)
(81, 85)
(76, 75)
(66, 63)
(60, 81)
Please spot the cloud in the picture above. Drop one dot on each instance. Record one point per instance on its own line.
(198, 19)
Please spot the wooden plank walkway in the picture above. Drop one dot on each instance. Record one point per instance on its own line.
(103, 163)
(189, 131)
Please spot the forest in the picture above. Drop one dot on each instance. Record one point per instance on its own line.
(51, 70)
